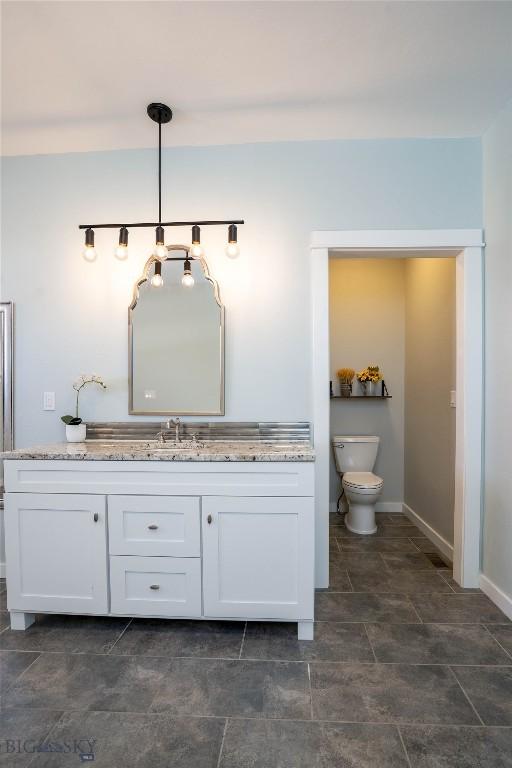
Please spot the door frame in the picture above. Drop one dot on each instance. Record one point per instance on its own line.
(467, 246)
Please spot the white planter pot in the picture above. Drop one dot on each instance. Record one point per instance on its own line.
(75, 433)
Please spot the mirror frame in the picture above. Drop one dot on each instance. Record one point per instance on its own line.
(142, 279)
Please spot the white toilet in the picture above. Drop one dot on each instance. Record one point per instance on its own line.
(355, 458)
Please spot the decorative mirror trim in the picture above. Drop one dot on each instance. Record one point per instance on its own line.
(144, 278)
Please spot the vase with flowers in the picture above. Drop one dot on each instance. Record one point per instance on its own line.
(346, 376)
(75, 428)
(369, 378)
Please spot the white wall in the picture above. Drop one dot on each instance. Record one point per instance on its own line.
(497, 542)
(71, 317)
(366, 316)
(430, 345)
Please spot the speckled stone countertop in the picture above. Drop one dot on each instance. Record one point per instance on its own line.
(144, 450)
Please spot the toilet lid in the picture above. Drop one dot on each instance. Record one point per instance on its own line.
(362, 480)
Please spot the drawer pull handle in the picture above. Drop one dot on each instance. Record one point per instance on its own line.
(153, 527)
(96, 517)
(155, 586)
(209, 519)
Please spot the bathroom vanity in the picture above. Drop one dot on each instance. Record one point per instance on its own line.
(213, 530)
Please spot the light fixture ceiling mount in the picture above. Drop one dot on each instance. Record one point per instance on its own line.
(160, 114)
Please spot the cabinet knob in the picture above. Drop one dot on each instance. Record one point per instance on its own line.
(209, 519)
(155, 586)
(95, 517)
(153, 527)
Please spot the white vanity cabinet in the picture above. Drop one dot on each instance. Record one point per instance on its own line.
(231, 540)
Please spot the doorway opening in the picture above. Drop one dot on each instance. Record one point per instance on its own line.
(466, 248)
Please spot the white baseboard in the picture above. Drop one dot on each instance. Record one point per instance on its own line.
(494, 593)
(381, 506)
(443, 546)
(2, 570)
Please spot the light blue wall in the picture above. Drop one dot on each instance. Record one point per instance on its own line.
(71, 316)
(497, 544)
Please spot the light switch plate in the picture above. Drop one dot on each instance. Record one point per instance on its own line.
(453, 398)
(48, 401)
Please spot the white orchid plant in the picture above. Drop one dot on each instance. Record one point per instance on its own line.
(78, 385)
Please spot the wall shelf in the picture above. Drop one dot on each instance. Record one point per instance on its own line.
(362, 397)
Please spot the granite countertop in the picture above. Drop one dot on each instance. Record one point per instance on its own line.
(151, 450)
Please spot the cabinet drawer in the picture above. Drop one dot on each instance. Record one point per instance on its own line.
(155, 586)
(167, 526)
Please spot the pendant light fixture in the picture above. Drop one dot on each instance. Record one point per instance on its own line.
(157, 280)
(187, 279)
(162, 114)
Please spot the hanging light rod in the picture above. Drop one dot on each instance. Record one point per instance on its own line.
(228, 222)
(160, 114)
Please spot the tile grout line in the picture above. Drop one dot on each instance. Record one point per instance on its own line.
(369, 641)
(7, 690)
(408, 723)
(466, 695)
(350, 583)
(310, 693)
(404, 747)
(496, 640)
(222, 742)
(117, 640)
(46, 737)
(242, 643)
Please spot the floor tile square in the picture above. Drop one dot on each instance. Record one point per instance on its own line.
(360, 562)
(457, 746)
(435, 644)
(384, 531)
(455, 609)
(235, 688)
(392, 693)
(12, 664)
(364, 607)
(423, 544)
(136, 741)
(490, 691)
(369, 544)
(280, 744)
(397, 561)
(407, 582)
(503, 635)
(338, 578)
(83, 681)
(165, 637)
(333, 642)
(69, 634)
(21, 731)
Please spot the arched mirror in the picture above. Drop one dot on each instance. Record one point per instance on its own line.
(176, 339)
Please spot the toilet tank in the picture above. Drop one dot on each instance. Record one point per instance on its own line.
(355, 453)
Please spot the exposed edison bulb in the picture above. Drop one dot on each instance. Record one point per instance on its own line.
(160, 251)
(121, 252)
(232, 250)
(90, 253)
(196, 250)
(157, 281)
(187, 280)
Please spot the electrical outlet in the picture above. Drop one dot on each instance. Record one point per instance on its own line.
(453, 398)
(48, 401)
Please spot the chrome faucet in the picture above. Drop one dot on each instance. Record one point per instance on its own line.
(164, 433)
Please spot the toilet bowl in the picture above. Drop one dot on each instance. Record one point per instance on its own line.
(355, 457)
(362, 490)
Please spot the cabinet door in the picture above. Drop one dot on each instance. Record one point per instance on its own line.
(258, 559)
(154, 525)
(56, 549)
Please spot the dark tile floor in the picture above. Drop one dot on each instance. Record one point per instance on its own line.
(407, 670)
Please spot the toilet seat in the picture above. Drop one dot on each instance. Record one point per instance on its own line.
(362, 481)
